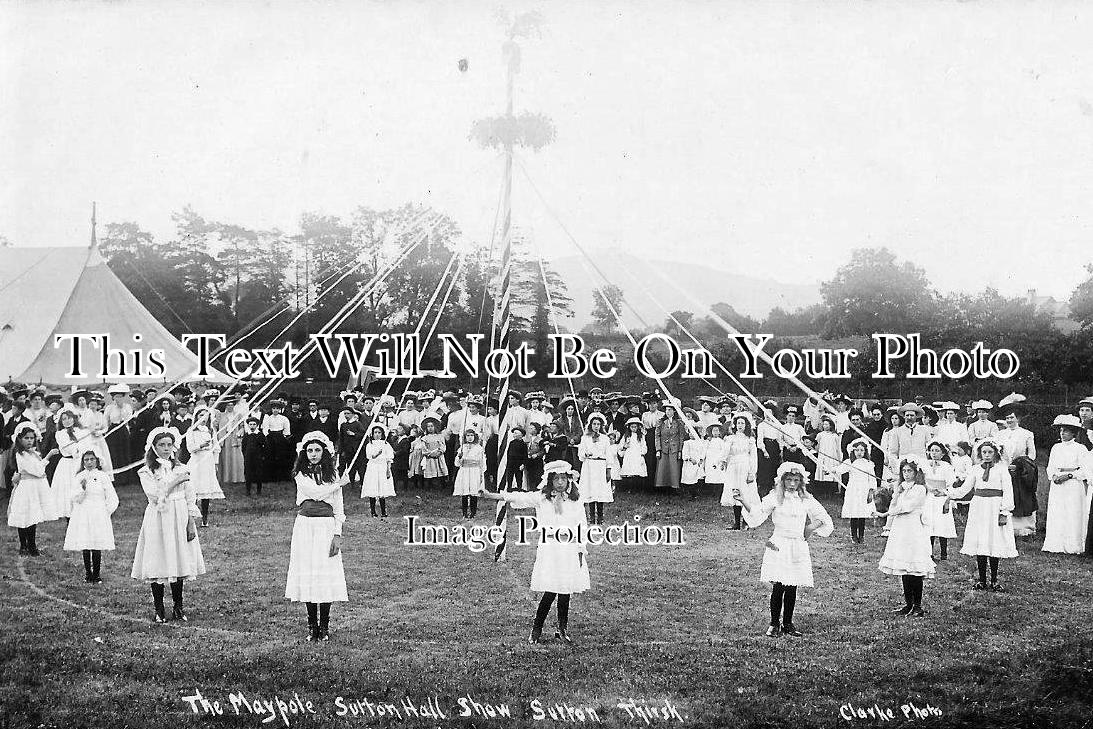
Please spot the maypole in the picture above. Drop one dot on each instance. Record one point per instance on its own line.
(507, 132)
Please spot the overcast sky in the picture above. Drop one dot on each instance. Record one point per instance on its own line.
(765, 138)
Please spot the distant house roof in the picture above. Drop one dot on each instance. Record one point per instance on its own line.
(1059, 310)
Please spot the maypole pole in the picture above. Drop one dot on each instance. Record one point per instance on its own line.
(508, 132)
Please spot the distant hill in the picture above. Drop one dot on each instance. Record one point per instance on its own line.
(747, 294)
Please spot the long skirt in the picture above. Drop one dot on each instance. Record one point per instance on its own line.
(650, 455)
(669, 471)
(1066, 518)
(231, 461)
(594, 486)
(736, 476)
(560, 568)
(313, 575)
(280, 453)
(32, 502)
(118, 445)
(203, 476)
(90, 527)
(64, 486)
(163, 553)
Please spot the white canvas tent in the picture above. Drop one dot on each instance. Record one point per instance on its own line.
(49, 291)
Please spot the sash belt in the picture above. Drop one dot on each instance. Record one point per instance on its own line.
(989, 493)
(312, 507)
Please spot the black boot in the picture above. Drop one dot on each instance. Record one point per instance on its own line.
(96, 565)
(563, 619)
(204, 512)
(157, 602)
(32, 541)
(176, 596)
(23, 541)
(372, 506)
(383, 508)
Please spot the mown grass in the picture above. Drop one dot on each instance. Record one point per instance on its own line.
(680, 623)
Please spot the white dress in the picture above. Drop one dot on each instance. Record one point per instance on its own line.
(313, 575)
(377, 482)
(64, 477)
(90, 526)
(32, 501)
(828, 455)
(908, 550)
(594, 484)
(991, 498)
(716, 460)
(856, 504)
(940, 476)
(560, 567)
(203, 464)
(791, 563)
(162, 553)
(694, 461)
(470, 479)
(1066, 501)
(633, 451)
(743, 462)
(97, 421)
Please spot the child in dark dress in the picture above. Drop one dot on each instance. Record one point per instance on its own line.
(254, 455)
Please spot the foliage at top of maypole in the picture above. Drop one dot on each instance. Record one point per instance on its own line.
(530, 130)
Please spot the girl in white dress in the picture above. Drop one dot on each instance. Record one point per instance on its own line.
(592, 451)
(988, 535)
(633, 449)
(693, 472)
(717, 456)
(378, 482)
(471, 477)
(861, 486)
(32, 500)
(742, 462)
(204, 452)
(316, 575)
(97, 425)
(787, 561)
(1066, 503)
(561, 565)
(614, 459)
(907, 552)
(828, 453)
(168, 550)
(90, 530)
(70, 437)
(940, 477)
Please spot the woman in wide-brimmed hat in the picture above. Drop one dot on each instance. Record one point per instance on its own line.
(668, 441)
(1019, 451)
(1068, 473)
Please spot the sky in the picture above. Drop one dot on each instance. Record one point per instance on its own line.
(761, 138)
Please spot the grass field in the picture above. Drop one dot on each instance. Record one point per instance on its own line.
(681, 624)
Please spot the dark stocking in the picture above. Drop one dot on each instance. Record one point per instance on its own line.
(776, 594)
(176, 597)
(916, 590)
(465, 503)
(312, 617)
(789, 601)
(372, 505)
(87, 563)
(474, 505)
(737, 512)
(205, 510)
(994, 569)
(383, 507)
(96, 563)
(324, 618)
(32, 539)
(543, 610)
(563, 612)
(944, 547)
(22, 539)
(908, 590)
(981, 563)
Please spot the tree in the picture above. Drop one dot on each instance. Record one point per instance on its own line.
(809, 320)
(605, 299)
(684, 319)
(875, 293)
(1081, 301)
